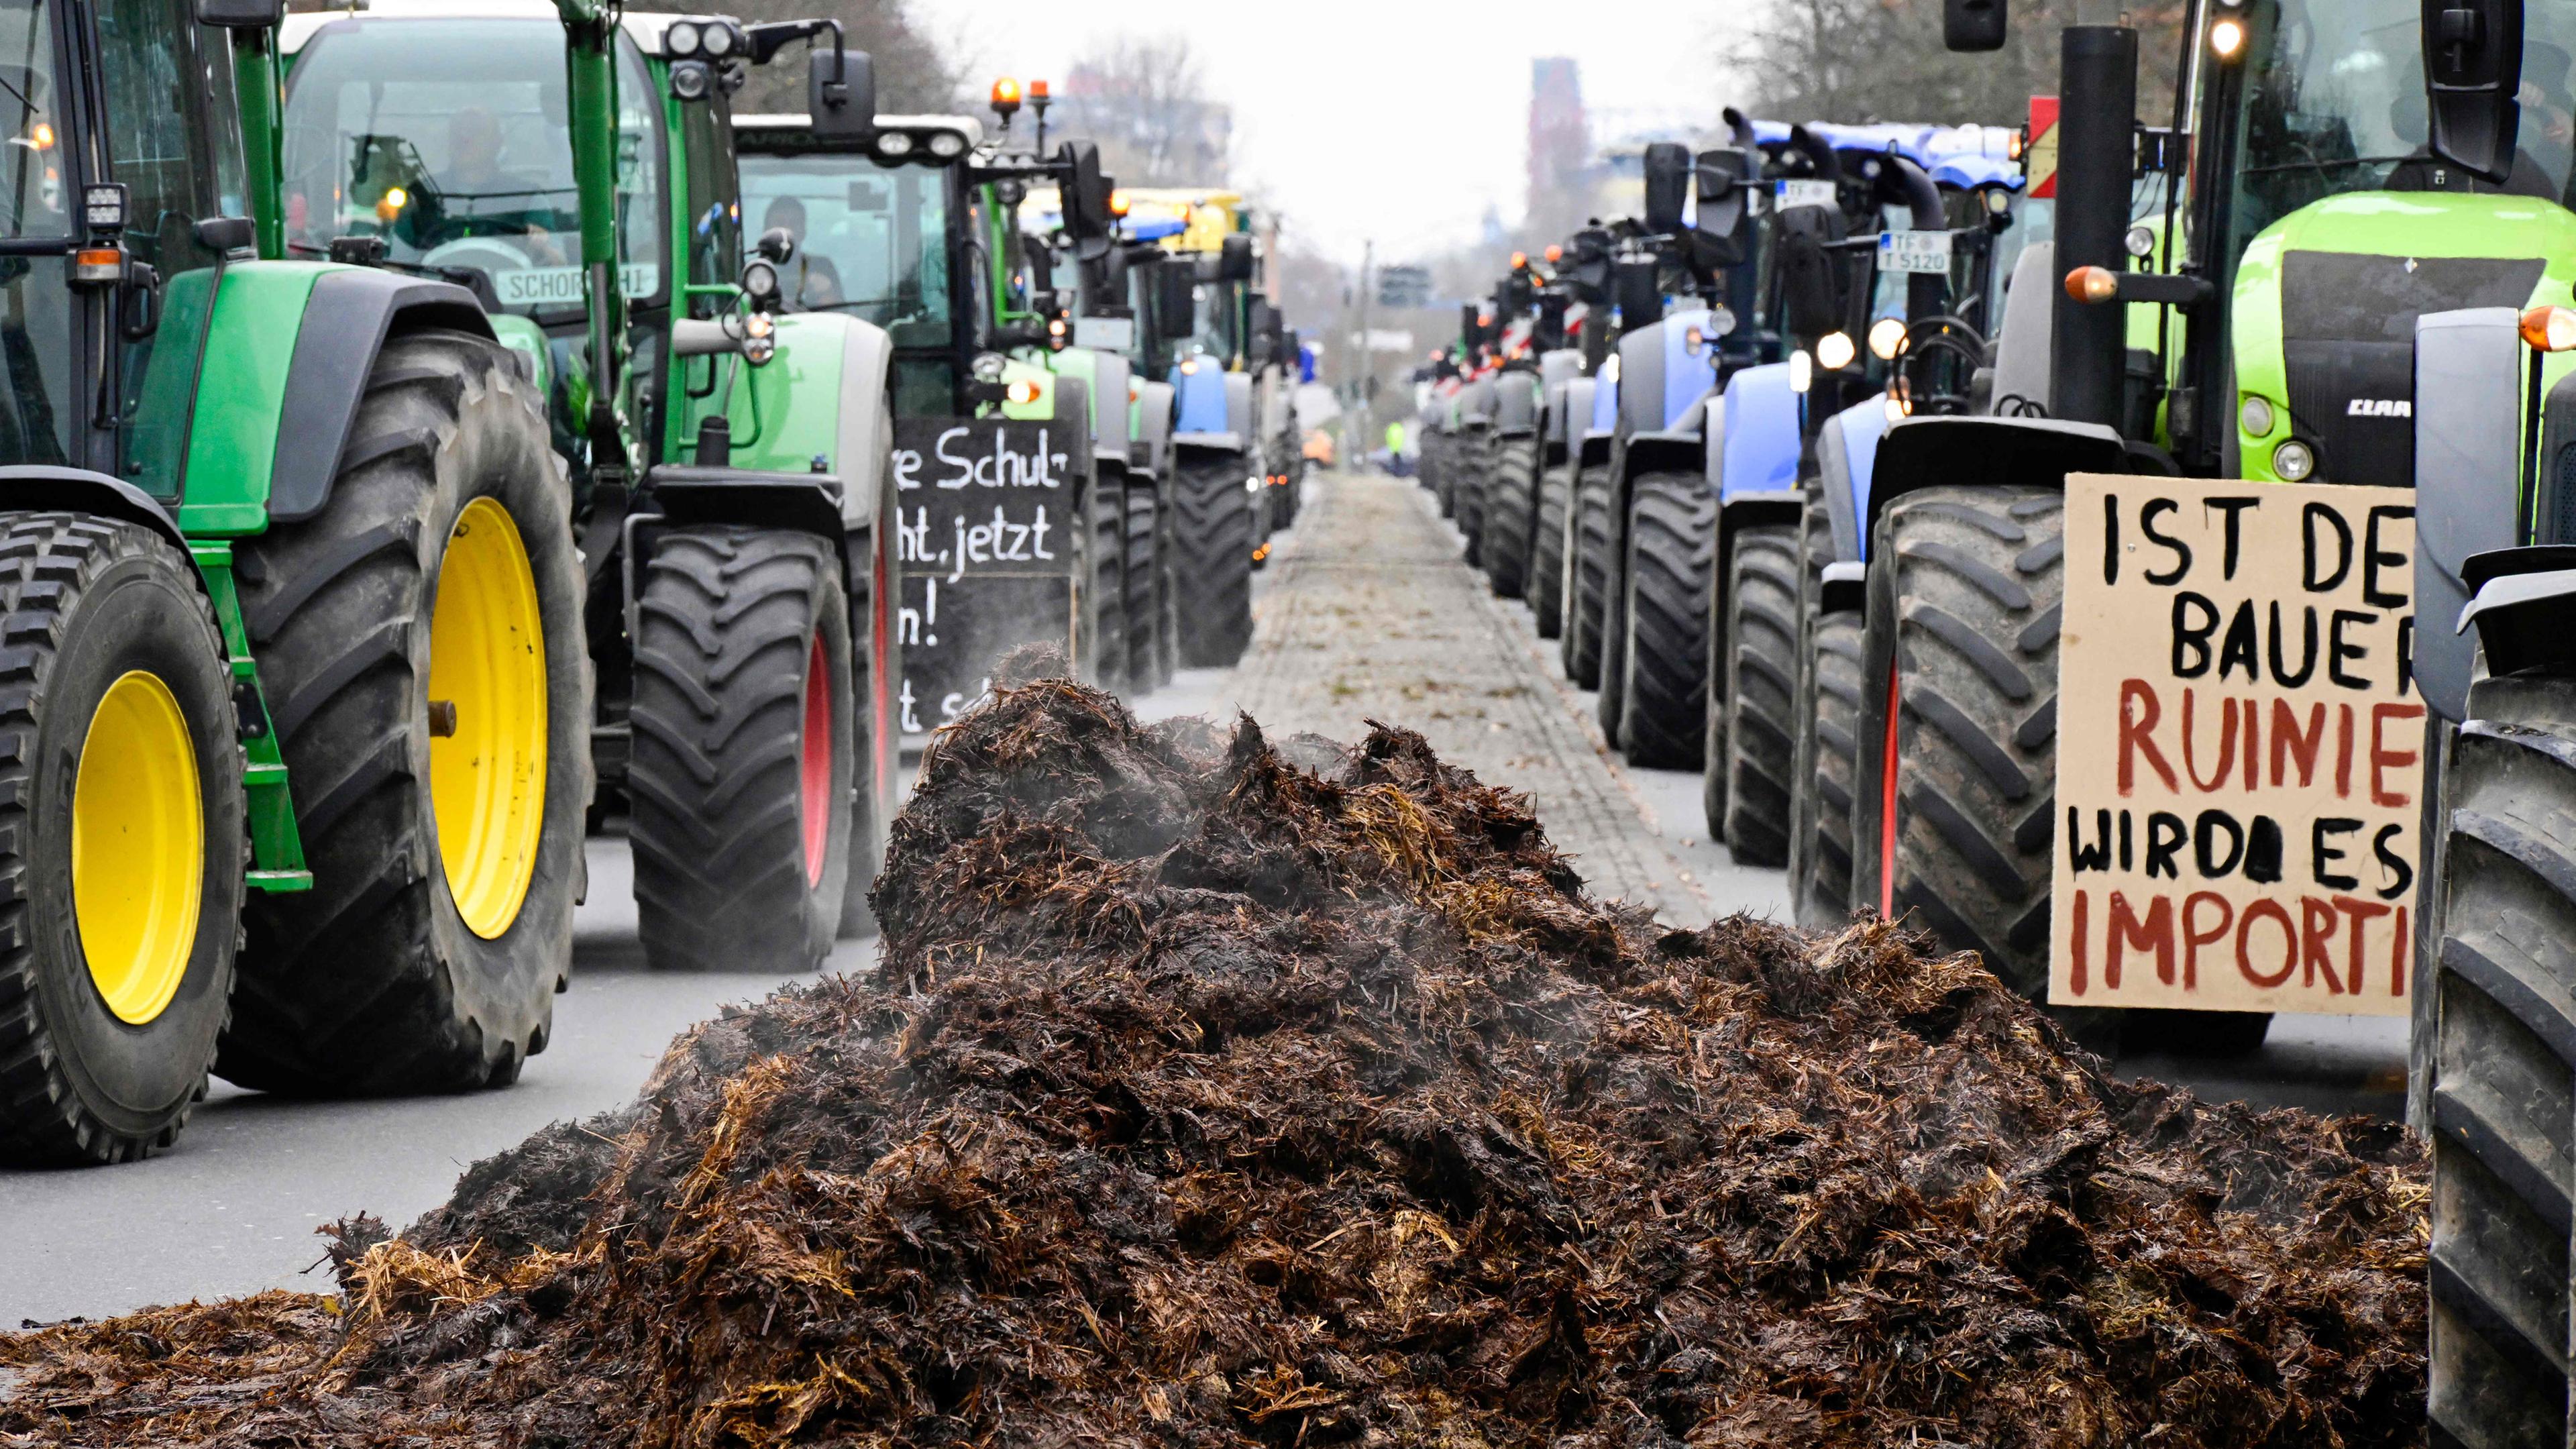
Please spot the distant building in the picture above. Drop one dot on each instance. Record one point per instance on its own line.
(1560, 149)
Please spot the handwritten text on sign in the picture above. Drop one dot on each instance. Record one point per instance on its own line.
(2240, 748)
(985, 526)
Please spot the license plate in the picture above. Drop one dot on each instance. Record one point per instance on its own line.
(1804, 193)
(1914, 251)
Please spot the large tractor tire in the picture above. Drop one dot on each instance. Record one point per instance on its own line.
(121, 839)
(1101, 629)
(1475, 469)
(1440, 467)
(1672, 535)
(876, 724)
(1547, 552)
(1609, 706)
(1212, 560)
(1760, 649)
(1824, 766)
(2504, 1070)
(1587, 575)
(1958, 741)
(1143, 566)
(744, 748)
(421, 643)
(1511, 495)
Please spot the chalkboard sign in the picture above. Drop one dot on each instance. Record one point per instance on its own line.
(988, 528)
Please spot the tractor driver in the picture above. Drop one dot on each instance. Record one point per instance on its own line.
(479, 198)
(811, 281)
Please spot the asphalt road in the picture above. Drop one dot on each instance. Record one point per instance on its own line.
(1365, 612)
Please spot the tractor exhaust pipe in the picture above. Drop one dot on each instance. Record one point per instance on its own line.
(2096, 152)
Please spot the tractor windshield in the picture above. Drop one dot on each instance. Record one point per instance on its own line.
(1220, 311)
(2334, 102)
(870, 242)
(451, 140)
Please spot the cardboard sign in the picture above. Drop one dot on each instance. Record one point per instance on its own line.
(2239, 747)
(988, 529)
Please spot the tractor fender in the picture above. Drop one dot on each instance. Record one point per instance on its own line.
(1665, 368)
(1106, 375)
(1568, 416)
(1846, 449)
(1747, 509)
(1979, 450)
(1516, 400)
(1754, 485)
(1676, 450)
(1601, 434)
(1557, 368)
(2468, 481)
(1215, 408)
(78, 490)
(2522, 602)
(819, 408)
(1476, 403)
(1151, 446)
(348, 315)
(1753, 433)
(808, 502)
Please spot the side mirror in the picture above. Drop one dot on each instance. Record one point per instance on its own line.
(1084, 194)
(1263, 348)
(1807, 276)
(1972, 24)
(2472, 70)
(1723, 177)
(1176, 301)
(241, 14)
(1234, 258)
(1668, 176)
(778, 244)
(840, 93)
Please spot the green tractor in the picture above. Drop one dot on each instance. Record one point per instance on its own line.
(729, 472)
(2239, 301)
(918, 227)
(266, 519)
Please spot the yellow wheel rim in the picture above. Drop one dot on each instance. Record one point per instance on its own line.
(487, 708)
(138, 847)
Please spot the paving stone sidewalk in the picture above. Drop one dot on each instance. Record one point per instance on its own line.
(1367, 612)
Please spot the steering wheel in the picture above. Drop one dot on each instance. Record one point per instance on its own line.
(1937, 367)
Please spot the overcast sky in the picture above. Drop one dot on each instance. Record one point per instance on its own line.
(1394, 120)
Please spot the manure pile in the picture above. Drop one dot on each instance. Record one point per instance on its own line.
(1218, 1092)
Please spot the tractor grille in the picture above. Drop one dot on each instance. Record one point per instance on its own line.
(2348, 346)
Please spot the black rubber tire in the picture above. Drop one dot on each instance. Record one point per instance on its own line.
(2504, 1069)
(1167, 590)
(371, 982)
(1474, 452)
(1511, 515)
(1143, 569)
(1672, 537)
(1609, 703)
(88, 599)
(1547, 551)
(1761, 684)
(876, 726)
(730, 618)
(1100, 635)
(1212, 546)
(1963, 600)
(1440, 465)
(1824, 766)
(1588, 574)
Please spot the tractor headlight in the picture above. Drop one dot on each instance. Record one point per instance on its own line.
(682, 39)
(2255, 417)
(691, 80)
(760, 280)
(717, 39)
(894, 144)
(1886, 338)
(758, 350)
(2294, 461)
(947, 145)
(1834, 351)
(1802, 371)
(2140, 242)
(1721, 321)
(987, 366)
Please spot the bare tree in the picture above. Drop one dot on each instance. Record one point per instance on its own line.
(914, 74)
(1147, 104)
(1882, 60)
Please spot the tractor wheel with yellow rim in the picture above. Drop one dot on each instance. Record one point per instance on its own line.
(121, 839)
(420, 640)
